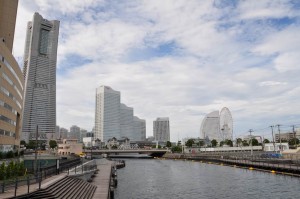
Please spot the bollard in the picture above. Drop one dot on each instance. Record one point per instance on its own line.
(40, 181)
(28, 184)
(3, 185)
(16, 187)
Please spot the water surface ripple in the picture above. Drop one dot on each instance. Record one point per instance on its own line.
(151, 179)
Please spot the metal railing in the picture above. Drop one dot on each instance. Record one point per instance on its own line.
(43, 173)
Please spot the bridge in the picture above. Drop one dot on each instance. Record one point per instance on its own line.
(150, 152)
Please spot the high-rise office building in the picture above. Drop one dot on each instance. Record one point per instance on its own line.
(139, 129)
(63, 133)
(161, 129)
(75, 132)
(107, 113)
(126, 121)
(40, 77)
(11, 80)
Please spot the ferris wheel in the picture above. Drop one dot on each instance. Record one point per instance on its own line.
(226, 124)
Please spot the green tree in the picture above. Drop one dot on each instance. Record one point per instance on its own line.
(266, 141)
(254, 142)
(214, 143)
(2, 171)
(114, 147)
(23, 142)
(239, 142)
(159, 146)
(52, 144)
(294, 141)
(31, 145)
(1, 155)
(201, 143)
(10, 154)
(229, 142)
(222, 143)
(176, 149)
(169, 144)
(190, 142)
(245, 143)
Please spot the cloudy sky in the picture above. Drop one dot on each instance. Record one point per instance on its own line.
(177, 59)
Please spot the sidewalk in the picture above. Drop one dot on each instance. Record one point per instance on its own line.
(24, 189)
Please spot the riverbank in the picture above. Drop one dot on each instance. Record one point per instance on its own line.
(264, 165)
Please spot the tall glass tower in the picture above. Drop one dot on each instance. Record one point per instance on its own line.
(107, 114)
(40, 78)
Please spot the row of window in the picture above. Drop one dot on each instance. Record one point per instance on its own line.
(6, 92)
(12, 84)
(7, 133)
(6, 119)
(8, 107)
(11, 70)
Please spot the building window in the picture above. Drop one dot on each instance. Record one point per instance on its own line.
(44, 36)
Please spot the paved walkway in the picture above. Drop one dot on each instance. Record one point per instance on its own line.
(24, 189)
(102, 179)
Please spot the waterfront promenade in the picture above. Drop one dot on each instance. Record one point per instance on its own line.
(92, 179)
(274, 165)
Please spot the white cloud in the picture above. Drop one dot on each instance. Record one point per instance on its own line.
(205, 69)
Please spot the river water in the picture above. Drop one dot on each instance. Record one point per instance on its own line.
(154, 179)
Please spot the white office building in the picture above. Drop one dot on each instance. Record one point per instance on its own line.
(40, 77)
(74, 132)
(139, 129)
(126, 121)
(107, 113)
(161, 129)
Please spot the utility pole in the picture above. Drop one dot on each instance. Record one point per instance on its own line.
(273, 137)
(280, 147)
(250, 131)
(294, 131)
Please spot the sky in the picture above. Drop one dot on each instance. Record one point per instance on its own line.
(176, 58)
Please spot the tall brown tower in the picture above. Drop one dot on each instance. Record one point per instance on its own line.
(8, 13)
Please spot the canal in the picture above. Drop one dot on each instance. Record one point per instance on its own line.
(154, 178)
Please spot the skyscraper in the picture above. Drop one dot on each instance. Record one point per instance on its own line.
(139, 129)
(161, 129)
(75, 132)
(107, 113)
(126, 121)
(11, 80)
(40, 77)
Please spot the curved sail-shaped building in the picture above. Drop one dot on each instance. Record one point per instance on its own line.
(218, 126)
(210, 127)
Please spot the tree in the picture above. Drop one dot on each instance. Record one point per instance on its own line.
(201, 143)
(294, 141)
(229, 143)
(175, 149)
(254, 142)
(214, 143)
(10, 154)
(245, 143)
(266, 141)
(239, 141)
(52, 144)
(190, 142)
(169, 144)
(222, 143)
(31, 144)
(23, 143)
